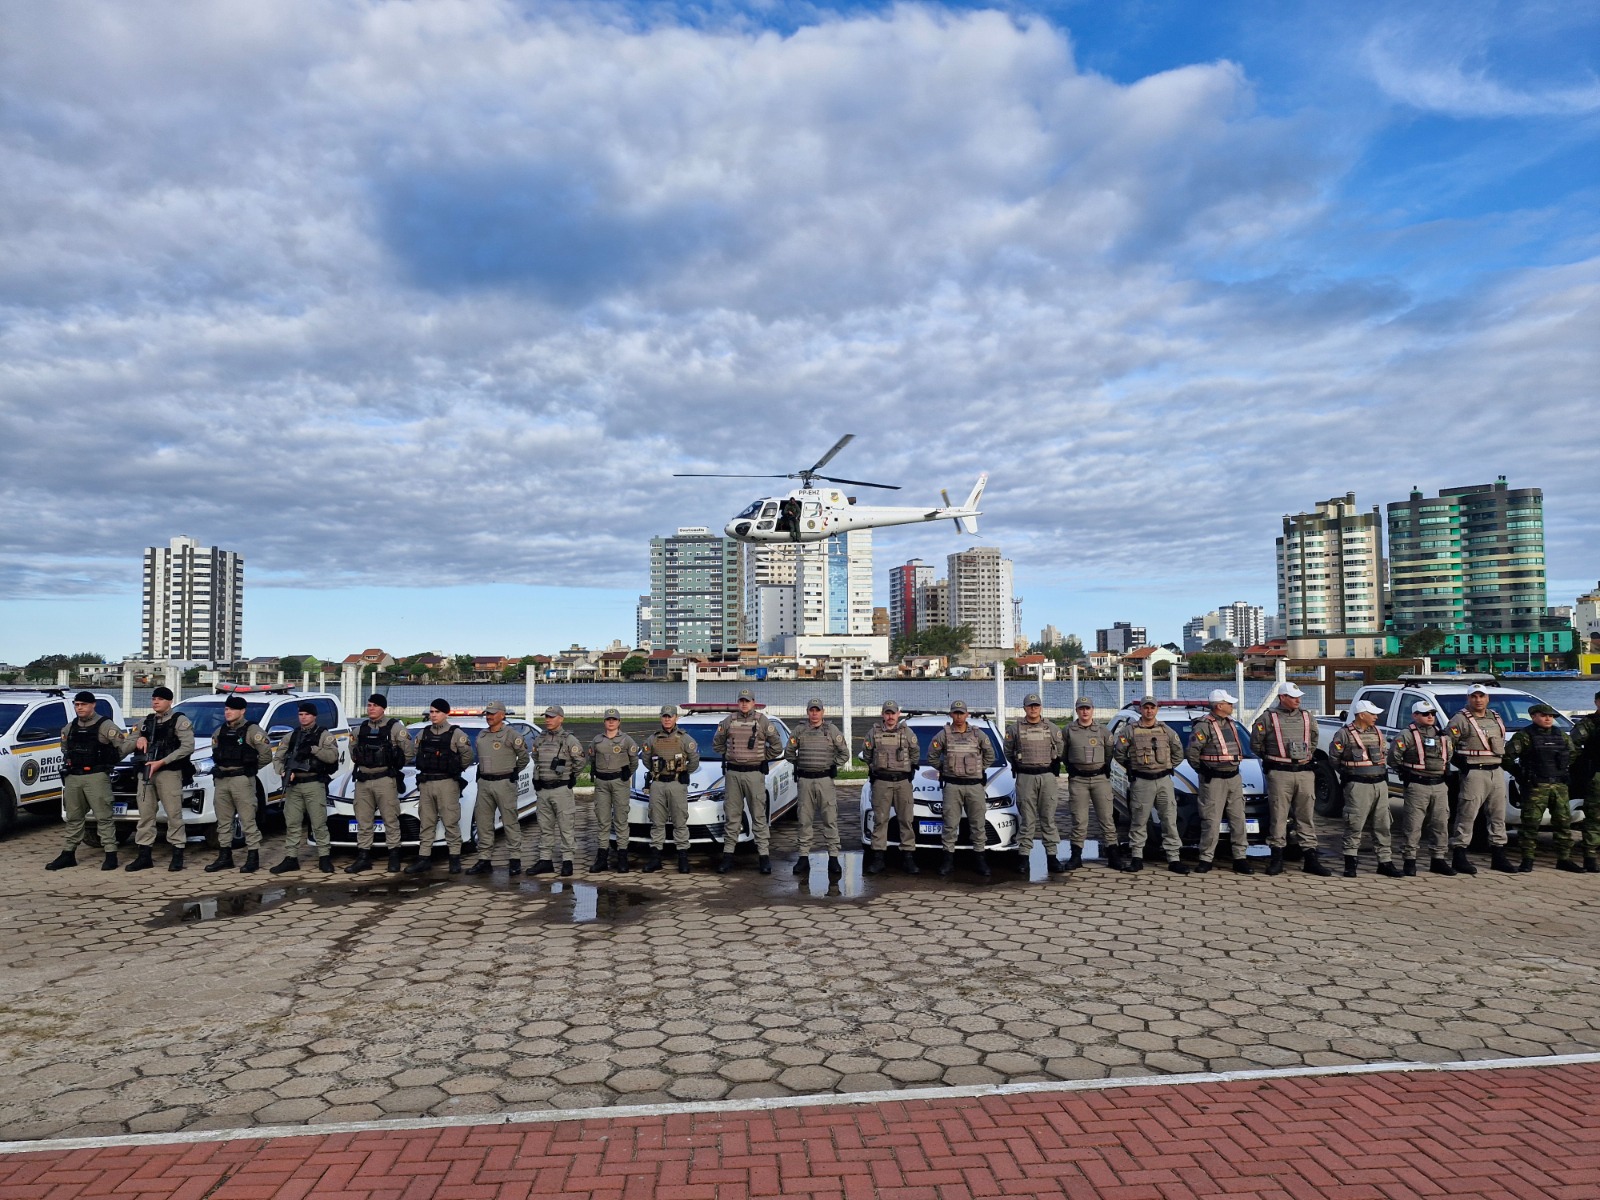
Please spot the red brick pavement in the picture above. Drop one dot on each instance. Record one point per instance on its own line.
(1516, 1133)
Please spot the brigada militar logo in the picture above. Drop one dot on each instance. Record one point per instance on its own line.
(30, 772)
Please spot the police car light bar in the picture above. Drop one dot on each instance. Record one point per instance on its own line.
(246, 688)
(694, 708)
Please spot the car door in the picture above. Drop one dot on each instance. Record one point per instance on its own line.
(525, 796)
(39, 751)
(782, 791)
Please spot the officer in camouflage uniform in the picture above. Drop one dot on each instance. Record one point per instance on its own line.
(1422, 756)
(892, 754)
(962, 756)
(1086, 753)
(306, 760)
(1360, 754)
(502, 754)
(166, 739)
(238, 751)
(90, 746)
(612, 757)
(1480, 740)
(747, 742)
(380, 748)
(670, 758)
(1215, 753)
(1150, 752)
(1034, 747)
(1586, 782)
(443, 753)
(817, 749)
(1285, 738)
(557, 759)
(1540, 757)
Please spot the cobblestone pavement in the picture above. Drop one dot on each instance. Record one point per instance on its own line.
(165, 1001)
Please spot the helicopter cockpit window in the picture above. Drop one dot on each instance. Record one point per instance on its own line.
(768, 510)
(755, 507)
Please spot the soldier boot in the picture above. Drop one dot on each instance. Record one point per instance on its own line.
(947, 864)
(835, 870)
(983, 866)
(1566, 864)
(653, 863)
(1460, 861)
(602, 860)
(482, 867)
(1076, 860)
(617, 857)
(802, 865)
(223, 860)
(1312, 864)
(110, 863)
(513, 866)
(1389, 870)
(325, 864)
(1408, 868)
(566, 868)
(683, 864)
(65, 859)
(1134, 862)
(543, 867)
(622, 861)
(252, 862)
(1527, 864)
(1499, 860)
(1591, 864)
(1275, 863)
(764, 864)
(455, 865)
(284, 867)
(394, 861)
(874, 862)
(177, 861)
(1441, 866)
(1241, 866)
(725, 864)
(424, 863)
(1178, 867)
(908, 863)
(1349, 866)
(362, 863)
(141, 861)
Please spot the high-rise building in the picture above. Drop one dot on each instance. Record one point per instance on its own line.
(193, 608)
(641, 623)
(905, 585)
(1586, 614)
(1050, 637)
(1194, 632)
(695, 592)
(880, 622)
(933, 604)
(980, 597)
(1427, 585)
(1330, 570)
(1120, 638)
(833, 585)
(764, 565)
(1240, 623)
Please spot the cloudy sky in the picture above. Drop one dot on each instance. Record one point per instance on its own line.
(420, 304)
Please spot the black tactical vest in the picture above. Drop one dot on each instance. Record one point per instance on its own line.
(86, 753)
(436, 758)
(1548, 757)
(375, 749)
(299, 758)
(231, 755)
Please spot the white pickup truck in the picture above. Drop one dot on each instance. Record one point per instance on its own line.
(31, 721)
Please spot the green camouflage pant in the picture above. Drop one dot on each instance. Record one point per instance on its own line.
(1542, 796)
(1591, 819)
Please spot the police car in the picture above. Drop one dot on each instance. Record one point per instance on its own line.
(1181, 715)
(31, 755)
(927, 793)
(707, 791)
(342, 795)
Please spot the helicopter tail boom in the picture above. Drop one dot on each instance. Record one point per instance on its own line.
(966, 517)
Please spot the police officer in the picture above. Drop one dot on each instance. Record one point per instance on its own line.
(1421, 755)
(443, 752)
(1285, 739)
(1480, 740)
(557, 759)
(612, 755)
(1086, 751)
(1540, 757)
(892, 753)
(747, 742)
(1150, 752)
(90, 746)
(1586, 782)
(670, 757)
(381, 749)
(1215, 753)
(1034, 746)
(166, 739)
(1360, 754)
(963, 755)
(502, 754)
(306, 760)
(817, 749)
(238, 751)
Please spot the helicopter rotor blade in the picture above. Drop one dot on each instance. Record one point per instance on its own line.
(892, 487)
(721, 475)
(823, 461)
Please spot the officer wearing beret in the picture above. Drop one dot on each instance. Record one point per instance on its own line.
(381, 749)
(444, 751)
(238, 751)
(90, 746)
(306, 760)
(166, 740)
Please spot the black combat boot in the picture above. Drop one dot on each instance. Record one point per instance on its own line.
(66, 858)
(1241, 866)
(1113, 855)
(1349, 866)
(141, 861)
(1388, 870)
(1134, 862)
(110, 863)
(543, 867)
(252, 862)
(1124, 855)
(764, 864)
(1566, 864)
(983, 865)
(874, 862)
(1076, 859)
(1203, 867)
(1052, 864)
(622, 862)
(835, 868)
(653, 862)
(362, 863)
(325, 863)
(177, 861)
(908, 862)
(1591, 864)
(422, 865)
(566, 868)
(1178, 867)
(618, 858)
(1499, 860)
(224, 860)
(1275, 862)
(513, 866)
(1460, 861)
(482, 867)
(602, 861)
(683, 863)
(1408, 867)
(1527, 864)
(1313, 865)
(455, 864)
(1440, 866)
(947, 864)
(802, 865)
(725, 864)
(287, 865)
(394, 862)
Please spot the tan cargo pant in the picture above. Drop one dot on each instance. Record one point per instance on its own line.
(375, 798)
(497, 795)
(746, 787)
(1292, 793)
(611, 799)
(1479, 789)
(1426, 803)
(1221, 798)
(439, 802)
(556, 812)
(895, 794)
(166, 789)
(973, 800)
(237, 794)
(819, 801)
(1037, 799)
(1157, 794)
(304, 802)
(83, 795)
(669, 799)
(1080, 791)
(1364, 800)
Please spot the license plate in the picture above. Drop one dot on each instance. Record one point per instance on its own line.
(930, 827)
(377, 827)
(119, 810)
(1251, 825)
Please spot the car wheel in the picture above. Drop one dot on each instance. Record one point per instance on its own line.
(8, 810)
(1328, 802)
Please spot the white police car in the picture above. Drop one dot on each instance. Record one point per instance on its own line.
(31, 755)
(927, 793)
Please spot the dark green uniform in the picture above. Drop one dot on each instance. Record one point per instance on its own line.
(1585, 783)
(1541, 761)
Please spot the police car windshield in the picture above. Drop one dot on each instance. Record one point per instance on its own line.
(1512, 708)
(207, 716)
(9, 714)
(925, 735)
(702, 732)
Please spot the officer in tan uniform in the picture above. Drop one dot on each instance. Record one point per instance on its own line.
(557, 759)
(1480, 739)
(892, 754)
(1215, 752)
(502, 754)
(166, 739)
(1422, 757)
(1361, 756)
(90, 746)
(1285, 739)
(612, 757)
(747, 742)
(444, 751)
(306, 760)
(1150, 752)
(963, 755)
(1034, 746)
(1086, 752)
(238, 751)
(381, 748)
(817, 749)
(670, 757)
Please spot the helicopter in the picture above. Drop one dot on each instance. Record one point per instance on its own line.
(810, 513)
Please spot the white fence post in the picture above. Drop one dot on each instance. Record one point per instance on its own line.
(1000, 693)
(527, 687)
(1074, 686)
(693, 681)
(1122, 683)
(1172, 681)
(127, 689)
(1149, 678)
(844, 680)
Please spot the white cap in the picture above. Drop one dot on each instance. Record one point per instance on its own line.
(1422, 706)
(1366, 706)
(1477, 689)
(1288, 689)
(1218, 696)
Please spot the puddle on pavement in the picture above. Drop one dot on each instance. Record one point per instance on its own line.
(569, 903)
(239, 904)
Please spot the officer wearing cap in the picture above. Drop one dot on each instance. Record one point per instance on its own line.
(381, 749)
(1034, 746)
(670, 758)
(306, 761)
(90, 746)
(1540, 757)
(1086, 751)
(1586, 782)
(502, 754)
(612, 755)
(1360, 754)
(1215, 752)
(817, 749)
(557, 759)
(1421, 756)
(166, 740)
(747, 742)
(892, 754)
(239, 749)
(1150, 752)
(963, 755)
(1480, 741)
(1285, 739)
(443, 752)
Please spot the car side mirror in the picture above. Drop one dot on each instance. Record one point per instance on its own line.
(279, 731)
(1344, 715)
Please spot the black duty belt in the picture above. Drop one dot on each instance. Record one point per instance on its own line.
(814, 774)
(1088, 774)
(370, 774)
(233, 772)
(1288, 766)
(889, 776)
(438, 778)
(1223, 773)
(482, 778)
(1029, 770)
(1480, 767)
(549, 785)
(1430, 780)
(1354, 777)
(1151, 774)
(753, 767)
(610, 775)
(959, 781)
